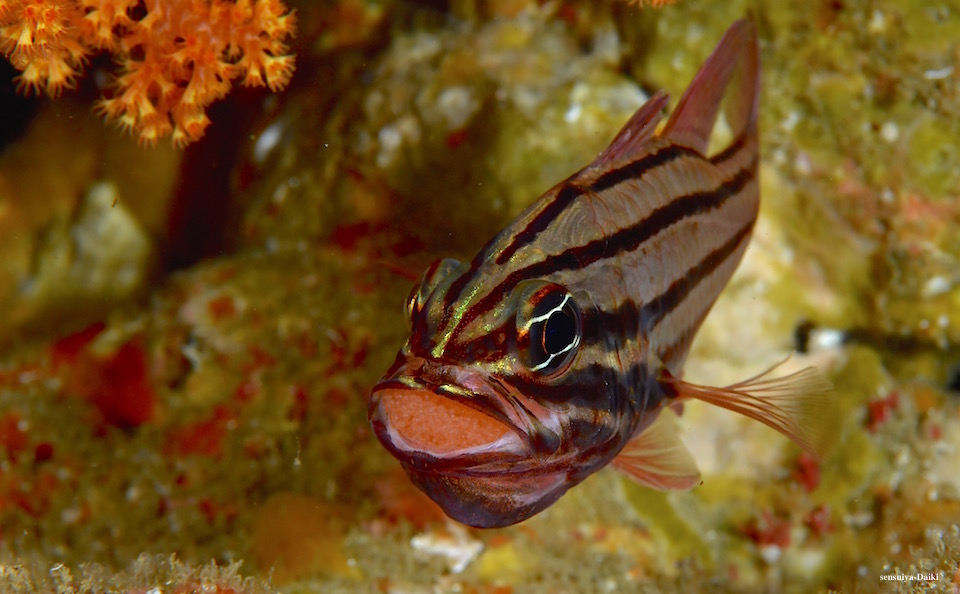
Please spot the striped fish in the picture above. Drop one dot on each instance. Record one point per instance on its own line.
(558, 349)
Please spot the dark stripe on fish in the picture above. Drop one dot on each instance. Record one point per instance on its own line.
(638, 168)
(729, 152)
(611, 328)
(488, 347)
(581, 388)
(654, 311)
(457, 286)
(625, 240)
(569, 192)
(668, 352)
(627, 321)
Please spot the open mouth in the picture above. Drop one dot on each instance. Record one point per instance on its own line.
(437, 425)
(480, 469)
(453, 419)
(487, 455)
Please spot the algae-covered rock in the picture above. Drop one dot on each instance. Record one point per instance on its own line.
(245, 378)
(452, 133)
(78, 228)
(149, 573)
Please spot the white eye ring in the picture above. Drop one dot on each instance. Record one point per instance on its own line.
(548, 328)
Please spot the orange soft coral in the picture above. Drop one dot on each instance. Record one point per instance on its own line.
(39, 39)
(176, 56)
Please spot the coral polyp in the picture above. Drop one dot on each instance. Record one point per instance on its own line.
(175, 59)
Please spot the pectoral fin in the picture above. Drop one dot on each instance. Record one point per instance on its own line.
(657, 458)
(797, 405)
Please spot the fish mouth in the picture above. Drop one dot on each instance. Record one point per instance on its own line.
(486, 454)
(454, 420)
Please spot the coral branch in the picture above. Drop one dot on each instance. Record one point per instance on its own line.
(175, 56)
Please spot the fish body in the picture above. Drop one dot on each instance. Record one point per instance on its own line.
(558, 348)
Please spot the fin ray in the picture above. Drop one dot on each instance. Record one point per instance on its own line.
(638, 130)
(657, 458)
(797, 405)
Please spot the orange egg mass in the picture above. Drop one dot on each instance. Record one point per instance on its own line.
(437, 424)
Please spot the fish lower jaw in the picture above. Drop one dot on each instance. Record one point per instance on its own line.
(489, 498)
(493, 467)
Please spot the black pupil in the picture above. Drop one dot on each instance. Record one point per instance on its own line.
(554, 331)
(559, 332)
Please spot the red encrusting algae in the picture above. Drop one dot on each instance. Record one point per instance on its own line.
(176, 56)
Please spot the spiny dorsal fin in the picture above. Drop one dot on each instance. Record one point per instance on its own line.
(657, 458)
(797, 405)
(638, 130)
(737, 54)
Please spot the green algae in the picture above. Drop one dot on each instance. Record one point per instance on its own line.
(849, 473)
(862, 377)
(671, 521)
(865, 129)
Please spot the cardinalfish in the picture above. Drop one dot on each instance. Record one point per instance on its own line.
(558, 349)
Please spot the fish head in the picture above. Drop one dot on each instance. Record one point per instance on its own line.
(495, 418)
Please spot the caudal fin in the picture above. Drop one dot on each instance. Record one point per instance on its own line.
(736, 59)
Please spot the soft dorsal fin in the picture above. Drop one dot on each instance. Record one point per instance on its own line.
(657, 458)
(735, 59)
(797, 405)
(638, 130)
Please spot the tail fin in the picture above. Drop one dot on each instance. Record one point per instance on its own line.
(736, 59)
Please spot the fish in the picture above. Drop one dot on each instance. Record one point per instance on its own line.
(559, 348)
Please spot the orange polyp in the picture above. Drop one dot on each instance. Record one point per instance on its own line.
(436, 424)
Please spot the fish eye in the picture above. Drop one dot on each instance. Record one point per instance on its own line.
(548, 329)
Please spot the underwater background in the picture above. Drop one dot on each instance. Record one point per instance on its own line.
(188, 336)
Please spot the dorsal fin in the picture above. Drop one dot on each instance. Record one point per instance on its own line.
(735, 59)
(638, 130)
